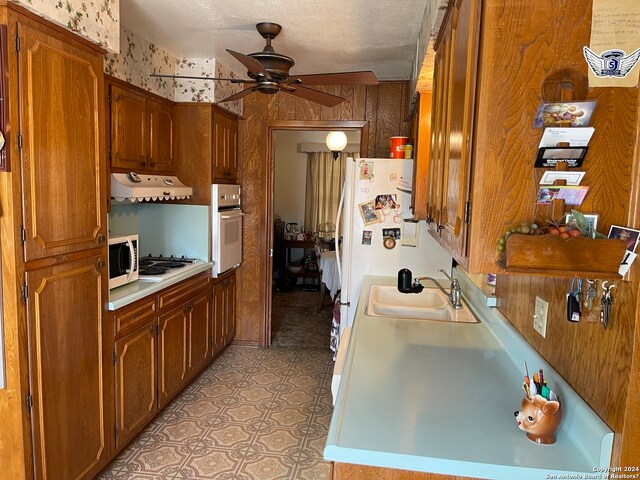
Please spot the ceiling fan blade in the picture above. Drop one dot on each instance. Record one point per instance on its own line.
(232, 80)
(252, 64)
(322, 98)
(345, 78)
(239, 95)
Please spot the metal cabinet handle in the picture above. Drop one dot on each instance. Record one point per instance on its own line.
(100, 264)
(101, 239)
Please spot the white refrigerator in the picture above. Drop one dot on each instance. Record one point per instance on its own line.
(376, 201)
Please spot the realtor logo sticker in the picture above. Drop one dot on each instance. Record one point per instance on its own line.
(611, 63)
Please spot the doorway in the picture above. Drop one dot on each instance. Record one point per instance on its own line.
(288, 160)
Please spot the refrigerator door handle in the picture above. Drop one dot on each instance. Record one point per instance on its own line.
(337, 235)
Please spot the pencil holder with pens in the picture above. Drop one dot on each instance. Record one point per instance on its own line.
(540, 412)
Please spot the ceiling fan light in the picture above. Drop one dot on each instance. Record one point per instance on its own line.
(336, 141)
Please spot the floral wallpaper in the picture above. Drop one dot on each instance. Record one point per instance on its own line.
(226, 89)
(195, 90)
(98, 20)
(138, 58)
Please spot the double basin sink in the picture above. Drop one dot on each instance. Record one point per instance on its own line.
(430, 304)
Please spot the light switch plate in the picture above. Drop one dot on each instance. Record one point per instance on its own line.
(540, 312)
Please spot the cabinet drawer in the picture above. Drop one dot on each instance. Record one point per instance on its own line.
(132, 316)
(180, 293)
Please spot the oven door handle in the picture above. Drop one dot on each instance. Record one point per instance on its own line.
(226, 217)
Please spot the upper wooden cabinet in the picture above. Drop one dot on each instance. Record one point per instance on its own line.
(488, 84)
(206, 146)
(454, 85)
(225, 147)
(141, 130)
(161, 146)
(60, 130)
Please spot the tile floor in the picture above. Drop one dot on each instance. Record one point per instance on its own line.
(254, 414)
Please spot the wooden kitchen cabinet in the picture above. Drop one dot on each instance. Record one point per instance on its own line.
(67, 381)
(161, 143)
(225, 147)
(224, 310)
(173, 350)
(62, 145)
(128, 117)
(482, 178)
(141, 130)
(136, 383)
(455, 80)
(56, 191)
(183, 336)
(199, 334)
(160, 342)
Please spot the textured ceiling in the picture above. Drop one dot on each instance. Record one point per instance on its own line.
(320, 35)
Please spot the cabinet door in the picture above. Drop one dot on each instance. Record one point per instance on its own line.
(225, 138)
(218, 317)
(128, 130)
(199, 336)
(62, 105)
(232, 149)
(465, 22)
(66, 374)
(161, 145)
(172, 355)
(136, 381)
(230, 313)
(438, 121)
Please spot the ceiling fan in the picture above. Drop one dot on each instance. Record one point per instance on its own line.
(269, 73)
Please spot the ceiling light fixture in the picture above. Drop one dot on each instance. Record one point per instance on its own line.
(336, 142)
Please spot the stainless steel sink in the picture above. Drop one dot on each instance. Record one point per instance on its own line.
(430, 304)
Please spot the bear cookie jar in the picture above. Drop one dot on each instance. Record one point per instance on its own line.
(539, 418)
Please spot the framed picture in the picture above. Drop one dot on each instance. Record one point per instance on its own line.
(369, 213)
(629, 235)
(591, 218)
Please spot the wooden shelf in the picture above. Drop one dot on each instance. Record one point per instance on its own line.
(553, 256)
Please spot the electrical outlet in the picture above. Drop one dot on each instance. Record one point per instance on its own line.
(540, 312)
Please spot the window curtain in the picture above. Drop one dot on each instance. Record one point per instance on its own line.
(325, 178)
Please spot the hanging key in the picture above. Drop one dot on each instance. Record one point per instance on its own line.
(605, 304)
(573, 303)
(591, 294)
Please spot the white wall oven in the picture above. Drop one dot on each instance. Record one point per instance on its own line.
(226, 227)
(123, 260)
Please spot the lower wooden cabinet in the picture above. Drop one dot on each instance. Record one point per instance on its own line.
(70, 434)
(173, 350)
(224, 310)
(349, 471)
(199, 335)
(136, 385)
(160, 343)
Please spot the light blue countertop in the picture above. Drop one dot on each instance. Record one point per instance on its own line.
(129, 293)
(439, 397)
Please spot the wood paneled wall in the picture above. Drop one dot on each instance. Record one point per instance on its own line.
(599, 364)
(385, 108)
(594, 361)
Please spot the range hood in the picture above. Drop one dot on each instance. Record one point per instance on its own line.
(138, 187)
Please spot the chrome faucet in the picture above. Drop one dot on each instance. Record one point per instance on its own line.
(405, 286)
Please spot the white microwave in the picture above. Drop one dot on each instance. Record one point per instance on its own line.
(123, 260)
